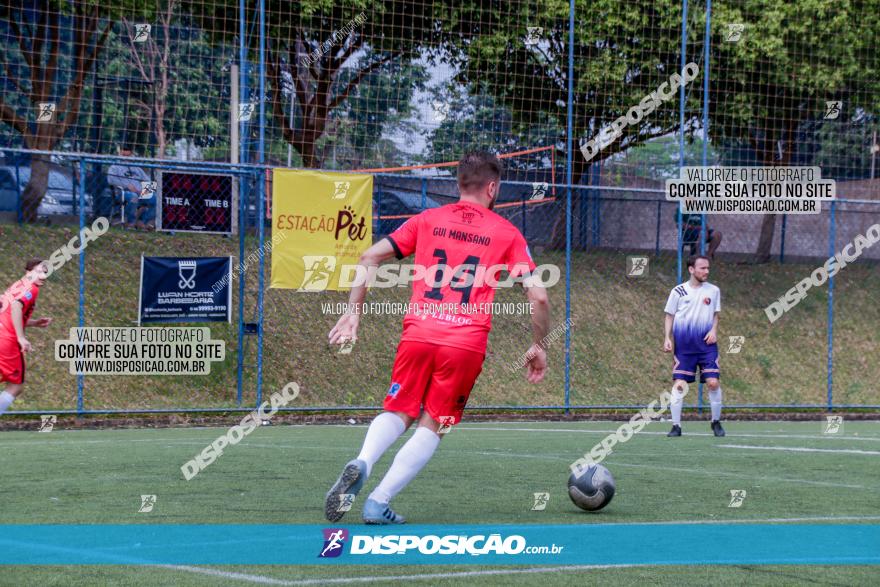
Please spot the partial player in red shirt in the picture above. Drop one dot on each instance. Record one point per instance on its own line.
(462, 248)
(16, 308)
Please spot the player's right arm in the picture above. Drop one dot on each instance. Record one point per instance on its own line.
(667, 329)
(400, 243)
(347, 325)
(671, 307)
(18, 325)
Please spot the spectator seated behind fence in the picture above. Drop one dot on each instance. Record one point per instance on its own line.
(138, 211)
(691, 224)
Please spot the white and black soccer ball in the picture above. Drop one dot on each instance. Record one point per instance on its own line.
(593, 489)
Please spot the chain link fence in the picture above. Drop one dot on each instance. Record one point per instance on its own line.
(106, 105)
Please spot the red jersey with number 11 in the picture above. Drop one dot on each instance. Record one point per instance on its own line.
(468, 243)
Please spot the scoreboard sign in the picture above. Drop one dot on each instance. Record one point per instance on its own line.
(197, 202)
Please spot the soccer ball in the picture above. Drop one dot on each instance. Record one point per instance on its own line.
(593, 490)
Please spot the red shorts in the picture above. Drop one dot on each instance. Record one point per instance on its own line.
(11, 361)
(440, 378)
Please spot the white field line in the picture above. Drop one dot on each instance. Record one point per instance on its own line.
(849, 451)
(59, 436)
(420, 577)
(741, 475)
(644, 432)
(232, 576)
(708, 472)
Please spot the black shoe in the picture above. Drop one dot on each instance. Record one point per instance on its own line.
(716, 428)
(676, 430)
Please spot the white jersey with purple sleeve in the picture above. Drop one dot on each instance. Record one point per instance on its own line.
(694, 309)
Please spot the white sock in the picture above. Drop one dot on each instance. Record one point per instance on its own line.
(715, 403)
(675, 406)
(6, 400)
(383, 431)
(410, 459)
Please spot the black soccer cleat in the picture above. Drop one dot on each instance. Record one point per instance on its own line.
(716, 428)
(339, 499)
(676, 430)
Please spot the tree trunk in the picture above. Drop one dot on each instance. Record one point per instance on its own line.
(32, 37)
(768, 224)
(159, 121)
(305, 144)
(35, 189)
(579, 166)
(765, 242)
(767, 151)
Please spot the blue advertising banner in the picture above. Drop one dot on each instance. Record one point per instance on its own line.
(571, 544)
(185, 289)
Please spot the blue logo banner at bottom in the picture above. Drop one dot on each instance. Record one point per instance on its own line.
(583, 544)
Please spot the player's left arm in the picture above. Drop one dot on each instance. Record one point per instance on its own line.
(347, 325)
(540, 305)
(41, 322)
(17, 312)
(712, 336)
(520, 264)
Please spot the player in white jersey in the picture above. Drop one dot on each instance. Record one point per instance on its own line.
(691, 329)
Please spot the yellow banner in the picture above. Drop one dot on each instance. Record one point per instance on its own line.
(327, 219)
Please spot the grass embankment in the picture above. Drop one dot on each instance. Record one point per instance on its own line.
(616, 333)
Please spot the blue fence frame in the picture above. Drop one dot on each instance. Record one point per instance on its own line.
(255, 170)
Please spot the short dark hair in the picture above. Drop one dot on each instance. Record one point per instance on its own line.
(33, 263)
(476, 169)
(692, 260)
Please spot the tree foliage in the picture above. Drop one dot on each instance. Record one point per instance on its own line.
(790, 60)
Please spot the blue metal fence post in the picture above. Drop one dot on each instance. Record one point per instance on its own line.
(243, 190)
(243, 127)
(707, 37)
(657, 237)
(681, 95)
(80, 380)
(832, 235)
(703, 228)
(261, 195)
(568, 181)
(261, 232)
(242, 235)
(680, 243)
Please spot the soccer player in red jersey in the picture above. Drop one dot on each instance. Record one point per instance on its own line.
(16, 307)
(443, 345)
